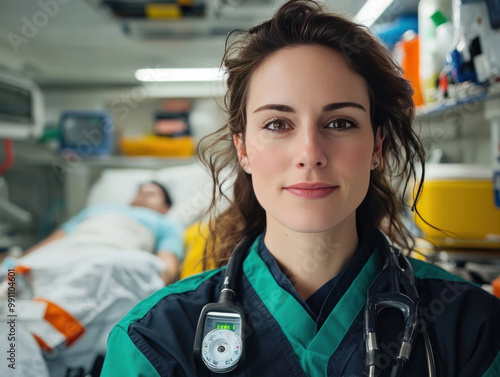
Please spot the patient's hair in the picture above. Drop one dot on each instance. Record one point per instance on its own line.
(166, 195)
(300, 22)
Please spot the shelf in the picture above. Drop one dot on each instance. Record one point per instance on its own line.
(39, 155)
(103, 162)
(456, 106)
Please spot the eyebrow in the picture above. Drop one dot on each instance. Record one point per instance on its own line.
(329, 107)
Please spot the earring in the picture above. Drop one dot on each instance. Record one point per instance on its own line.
(375, 165)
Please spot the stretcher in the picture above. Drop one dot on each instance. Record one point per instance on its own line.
(71, 292)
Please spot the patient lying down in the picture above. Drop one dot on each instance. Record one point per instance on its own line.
(72, 287)
(142, 226)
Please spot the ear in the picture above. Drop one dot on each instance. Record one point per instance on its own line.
(241, 151)
(377, 147)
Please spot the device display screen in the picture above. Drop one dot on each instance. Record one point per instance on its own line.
(225, 326)
(15, 103)
(80, 128)
(223, 321)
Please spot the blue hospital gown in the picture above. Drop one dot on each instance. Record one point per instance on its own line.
(168, 233)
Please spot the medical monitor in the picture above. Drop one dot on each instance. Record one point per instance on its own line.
(86, 132)
(21, 108)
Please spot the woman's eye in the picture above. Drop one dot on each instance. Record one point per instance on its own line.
(277, 125)
(341, 124)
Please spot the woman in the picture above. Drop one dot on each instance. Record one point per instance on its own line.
(319, 124)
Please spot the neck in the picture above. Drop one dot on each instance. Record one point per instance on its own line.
(311, 259)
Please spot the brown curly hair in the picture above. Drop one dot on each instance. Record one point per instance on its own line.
(300, 22)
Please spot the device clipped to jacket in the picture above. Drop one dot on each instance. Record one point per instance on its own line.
(219, 339)
(220, 332)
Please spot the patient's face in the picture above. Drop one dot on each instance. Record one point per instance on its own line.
(150, 196)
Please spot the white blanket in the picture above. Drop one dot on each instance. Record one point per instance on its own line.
(96, 284)
(110, 229)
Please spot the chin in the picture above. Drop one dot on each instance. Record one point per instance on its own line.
(311, 224)
(311, 228)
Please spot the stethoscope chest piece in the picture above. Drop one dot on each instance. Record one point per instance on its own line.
(221, 350)
(219, 337)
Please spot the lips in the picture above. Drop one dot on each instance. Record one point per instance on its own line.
(307, 190)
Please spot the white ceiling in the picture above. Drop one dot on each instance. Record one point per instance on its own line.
(82, 43)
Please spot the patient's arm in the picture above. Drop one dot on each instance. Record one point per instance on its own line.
(58, 234)
(172, 262)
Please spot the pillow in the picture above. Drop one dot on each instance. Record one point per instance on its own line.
(117, 186)
(190, 187)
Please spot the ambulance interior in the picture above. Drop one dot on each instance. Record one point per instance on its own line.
(89, 111)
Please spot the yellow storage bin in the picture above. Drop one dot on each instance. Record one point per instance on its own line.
(459, 200)
(160, 146)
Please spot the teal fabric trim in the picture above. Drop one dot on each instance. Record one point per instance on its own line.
(347, 309)
(124, 359)
(312, 351)
(424, 270)
(184, 285)
(494, 369)
(292, 317)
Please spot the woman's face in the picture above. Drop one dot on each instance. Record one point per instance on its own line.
(309, 143)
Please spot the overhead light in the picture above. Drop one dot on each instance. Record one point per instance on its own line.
(371, 11)
(178, 74)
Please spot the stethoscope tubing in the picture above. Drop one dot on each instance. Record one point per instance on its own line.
(399, 273)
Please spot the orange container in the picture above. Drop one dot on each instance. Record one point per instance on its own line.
(410, 64)
(496, 286)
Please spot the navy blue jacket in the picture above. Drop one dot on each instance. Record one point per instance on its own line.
(283, 338)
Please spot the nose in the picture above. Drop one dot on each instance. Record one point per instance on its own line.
(310, 149)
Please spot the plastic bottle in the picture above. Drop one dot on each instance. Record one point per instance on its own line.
(407, 50)
(444, 36)
(430, 60)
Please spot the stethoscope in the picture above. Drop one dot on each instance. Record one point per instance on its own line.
(219, 339)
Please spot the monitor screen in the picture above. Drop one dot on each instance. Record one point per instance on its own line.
(87, 132)
(21, 108)
(15, 103)
(77, 128)
(494, 12)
